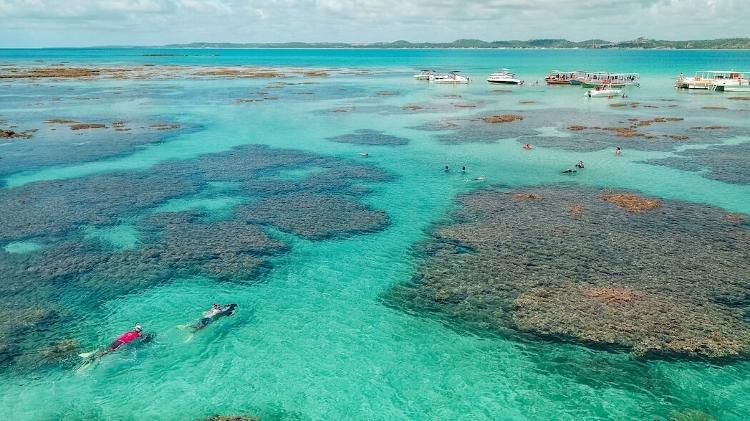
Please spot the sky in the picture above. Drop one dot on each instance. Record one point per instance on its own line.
(74, 23)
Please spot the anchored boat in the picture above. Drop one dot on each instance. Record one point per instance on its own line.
(556, 77)
(504, 76)
(615, 80)
(605, 91)
(450, 78)
(707, 78)
(424, 75)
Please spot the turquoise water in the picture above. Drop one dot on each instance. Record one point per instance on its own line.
(312, 338)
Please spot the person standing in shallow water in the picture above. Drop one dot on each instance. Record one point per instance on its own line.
(463, 169)
(618, 151)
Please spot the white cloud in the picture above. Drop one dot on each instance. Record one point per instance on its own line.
(90, 22)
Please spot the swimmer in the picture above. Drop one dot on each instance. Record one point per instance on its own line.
(130, 336)
(570, 171)
(216, 311)
(446, 169)
(527, 146)
(579, 164)
(463, 169)
(364, 154)
(618, 150)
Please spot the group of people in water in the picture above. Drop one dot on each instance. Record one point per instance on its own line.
(578, 166)
(137, 335)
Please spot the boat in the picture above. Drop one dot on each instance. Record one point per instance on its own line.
(604, 91)
(504, 76)
(556, 77)
(737, 82)
(614, 80)
(710, 79)
(424, 75)
(450, 78)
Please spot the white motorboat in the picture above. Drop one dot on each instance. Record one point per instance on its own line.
(424, 75)
(450, 78)
(737, 82)
(504, 76)
(708, 79)
(604, 91)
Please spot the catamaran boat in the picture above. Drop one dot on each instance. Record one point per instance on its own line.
(708, 78)
(450, 78)
(738, 82)
(424, 75)
(613, 80)
(504, 76)
(603, 91)
(557, 77)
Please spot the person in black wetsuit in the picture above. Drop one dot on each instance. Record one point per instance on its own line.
(216, 311)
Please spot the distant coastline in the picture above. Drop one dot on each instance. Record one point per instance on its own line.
(639, 43)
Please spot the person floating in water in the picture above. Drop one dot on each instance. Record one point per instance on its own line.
(133, 335)
(527, 146)
(570, 171)
(364, 154)
(209, 316)
(446, 169)
(618, 150)
(216, 311)
(579, 164)
(463, 169)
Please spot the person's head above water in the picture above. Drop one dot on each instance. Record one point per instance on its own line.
(217, 306)
(138, 328)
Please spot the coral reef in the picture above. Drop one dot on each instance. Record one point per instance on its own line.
(631, 202)
(727, 163)
(12, 134)
(573, 267)
(369, 137)
(503, 118)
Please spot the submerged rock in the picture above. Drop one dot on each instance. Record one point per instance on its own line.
(370, 137)
(569, 265)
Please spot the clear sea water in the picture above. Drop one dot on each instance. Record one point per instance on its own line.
(312, 339)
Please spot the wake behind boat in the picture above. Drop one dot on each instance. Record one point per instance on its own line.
(504, 76)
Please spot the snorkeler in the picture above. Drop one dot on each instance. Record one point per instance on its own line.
(214, 313)
(570, 171)
(446, 169)
(579, 164)
(364, 154)
(463, 169)
(130, 336)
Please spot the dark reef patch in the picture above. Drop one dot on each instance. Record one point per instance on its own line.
(728, 163)
(369, 137)
(625, 274)
(74, 272)
(578, 130)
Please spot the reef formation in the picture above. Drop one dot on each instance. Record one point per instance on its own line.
(612, 270)
(69, 271)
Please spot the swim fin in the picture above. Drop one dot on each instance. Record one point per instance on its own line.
(87, 354)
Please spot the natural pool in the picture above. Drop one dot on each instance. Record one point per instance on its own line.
(256, 191)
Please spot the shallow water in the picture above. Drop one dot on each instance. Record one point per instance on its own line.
(312, 338)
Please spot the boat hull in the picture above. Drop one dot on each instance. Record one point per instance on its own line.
(504, 82)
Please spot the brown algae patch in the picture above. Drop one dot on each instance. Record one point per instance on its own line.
(572, 267)
(631, 202)
(12, 134)
(86, 126)
(503, 118)
(165, 126)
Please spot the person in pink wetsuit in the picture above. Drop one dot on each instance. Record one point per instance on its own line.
(133, 335)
